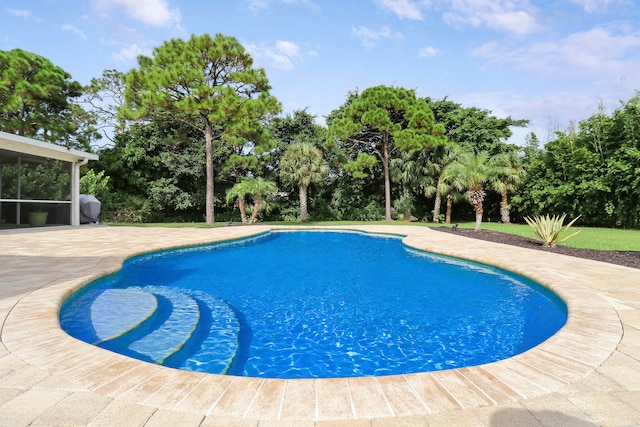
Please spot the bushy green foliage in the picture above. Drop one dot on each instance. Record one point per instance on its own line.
(37, 100)
(45, 181)
(378, 124)
(402, 207)
(592, 169)
(258, 190)
(303, 164)
(472, 128)
(209, 83)
(549, 230)
(161, 164)
(130, 209)
(96, 184)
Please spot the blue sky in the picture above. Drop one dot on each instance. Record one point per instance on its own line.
(547, 61)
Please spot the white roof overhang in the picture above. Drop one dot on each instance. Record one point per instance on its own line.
(31, 147)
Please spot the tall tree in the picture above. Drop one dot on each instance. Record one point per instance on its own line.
(590, 170)
(37, 101)
(293, 128)
(303, 164)
(623, 166)
(473, 128)
(105, 95)
(299, 126)
(205, 82)
(158, 163)
(380, 122)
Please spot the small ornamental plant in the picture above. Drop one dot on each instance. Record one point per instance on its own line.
(550, 230)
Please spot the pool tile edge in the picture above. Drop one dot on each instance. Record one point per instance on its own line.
(31, 322)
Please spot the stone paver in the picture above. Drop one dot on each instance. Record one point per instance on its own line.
(585, 375)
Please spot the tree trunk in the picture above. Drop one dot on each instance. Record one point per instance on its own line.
(208, 137)
(241, 207)
(387, 180)
(476, 196)
(256, 209)
(303, 203)
(478, 208)
(449, 209)
(438, 202)
(504, 209)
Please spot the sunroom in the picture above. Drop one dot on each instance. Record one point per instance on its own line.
(39, 182)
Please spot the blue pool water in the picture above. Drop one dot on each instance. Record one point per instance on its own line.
(312, 305)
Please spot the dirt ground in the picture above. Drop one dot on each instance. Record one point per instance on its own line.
(626, 258)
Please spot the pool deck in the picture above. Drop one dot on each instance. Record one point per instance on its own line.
(588, 374)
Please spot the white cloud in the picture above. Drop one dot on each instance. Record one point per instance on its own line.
(596, 51)
(402, 8)
(125, 32)
(428, 52)
(152, 12)
(600, 50)
(288, 48)
(371, 37)
(21, 13)
(129, 54)
(513, 16)
(304, 2)
(547, 112)
(593, 6)
(284, 55)
(74, 30)
(257, 5)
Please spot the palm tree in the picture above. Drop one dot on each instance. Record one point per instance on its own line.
(439, 181)
(303, 164)
(257, 189)
(473, 171)
(509, 172)
(450, 190)
(237, 194)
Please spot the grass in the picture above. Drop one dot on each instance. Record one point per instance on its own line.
(608, 239)
(611, 239)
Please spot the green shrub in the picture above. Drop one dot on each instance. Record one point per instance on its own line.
(96, 184)
(550, 229)
(131, 209)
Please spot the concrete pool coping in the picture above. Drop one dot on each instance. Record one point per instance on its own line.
(586, 374)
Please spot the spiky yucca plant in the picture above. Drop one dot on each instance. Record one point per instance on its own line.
(550, 229)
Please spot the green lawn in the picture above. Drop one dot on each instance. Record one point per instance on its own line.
(590, 238)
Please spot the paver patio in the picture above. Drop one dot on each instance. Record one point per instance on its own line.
(588, 374)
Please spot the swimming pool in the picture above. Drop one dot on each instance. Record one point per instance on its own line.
(312, 304)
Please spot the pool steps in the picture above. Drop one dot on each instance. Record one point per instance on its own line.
(216, 352)
(167, 326)
(117, 311)
(174, 332)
